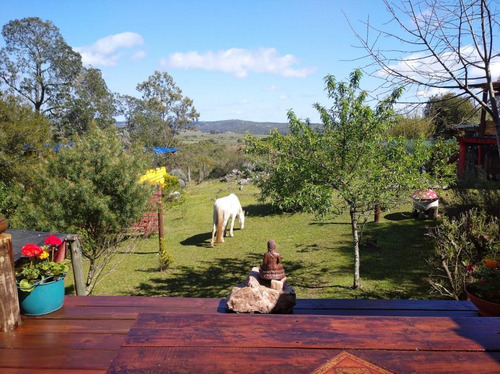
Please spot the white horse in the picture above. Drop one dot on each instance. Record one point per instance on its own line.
(225, 208)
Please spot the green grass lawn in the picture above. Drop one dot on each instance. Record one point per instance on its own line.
(317, 255)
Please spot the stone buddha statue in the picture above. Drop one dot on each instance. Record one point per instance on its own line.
(271, 267)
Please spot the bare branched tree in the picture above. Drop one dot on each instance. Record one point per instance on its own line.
(444, 45)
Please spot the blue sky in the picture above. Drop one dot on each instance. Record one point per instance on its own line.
(251, 60)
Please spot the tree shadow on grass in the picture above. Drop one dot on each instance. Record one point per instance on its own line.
(397, 253)
(327, 223)
(399, 216)
(260, 210)
(217, 277)
(214, 278)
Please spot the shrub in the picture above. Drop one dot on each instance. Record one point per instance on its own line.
(166, 258)
(459, 242)
(92, 189)
(482, 195)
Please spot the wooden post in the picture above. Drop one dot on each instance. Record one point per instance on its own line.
(461, 158)
(160, 217)
(76, 261)
(189, 174)
(10, 315)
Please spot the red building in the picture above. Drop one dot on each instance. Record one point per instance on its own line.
(478, 150)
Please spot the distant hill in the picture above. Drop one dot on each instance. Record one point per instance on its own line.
(235, 126)
(240, 127)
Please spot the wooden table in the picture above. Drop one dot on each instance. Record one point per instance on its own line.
(100, 334)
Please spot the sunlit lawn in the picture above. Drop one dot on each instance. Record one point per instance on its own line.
(317, 255)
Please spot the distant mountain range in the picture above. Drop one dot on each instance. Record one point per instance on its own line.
(240, 127)
(235, 126)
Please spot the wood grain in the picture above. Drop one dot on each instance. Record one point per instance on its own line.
(99, 334)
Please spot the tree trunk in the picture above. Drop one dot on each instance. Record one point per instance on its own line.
(90, 277)
(497, 128)
(495, 115)
(378, 210)
(355, 239)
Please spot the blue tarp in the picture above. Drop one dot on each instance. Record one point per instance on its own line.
(161, 150)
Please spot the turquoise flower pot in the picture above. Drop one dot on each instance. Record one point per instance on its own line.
(45, 298)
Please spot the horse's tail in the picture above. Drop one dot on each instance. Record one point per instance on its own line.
(220, 222)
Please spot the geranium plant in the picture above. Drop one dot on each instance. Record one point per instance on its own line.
(486, 284)
(37, 265)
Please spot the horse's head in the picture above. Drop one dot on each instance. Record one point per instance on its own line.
(241, 218)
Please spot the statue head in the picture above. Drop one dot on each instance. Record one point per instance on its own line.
(271, 245)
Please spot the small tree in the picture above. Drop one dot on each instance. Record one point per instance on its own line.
(347, 161)
(91, 188)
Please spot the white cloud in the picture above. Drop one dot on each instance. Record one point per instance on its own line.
(239, 62)
(425, 68)
(139, 55)
(271, 88)
(104, 52)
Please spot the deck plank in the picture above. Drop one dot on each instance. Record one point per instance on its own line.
(88, 326)
(69, 340)
(278, 360)
(307, 332)
(193, 305)
(382, 304)
(41, 358)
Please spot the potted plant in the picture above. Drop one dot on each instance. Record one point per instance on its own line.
(40, 280)
(484, 291)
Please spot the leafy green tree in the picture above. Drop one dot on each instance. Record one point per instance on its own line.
(347, 162)
(91, 188)
(36, 63)
(447, 111)
(90, 101)
(412, 127)
(24, 137)
(162, 112)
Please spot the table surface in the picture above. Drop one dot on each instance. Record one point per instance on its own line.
(101, 334)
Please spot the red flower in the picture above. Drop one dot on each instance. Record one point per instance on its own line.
(470, 268)
(53, 241)
(481, 282)
(31, 250)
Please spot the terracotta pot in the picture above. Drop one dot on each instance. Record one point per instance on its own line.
(486, 308)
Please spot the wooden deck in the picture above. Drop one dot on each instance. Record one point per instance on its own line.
(99, 334)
